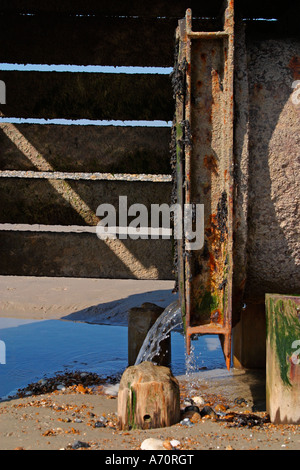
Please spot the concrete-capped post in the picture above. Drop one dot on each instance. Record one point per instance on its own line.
(283, 358)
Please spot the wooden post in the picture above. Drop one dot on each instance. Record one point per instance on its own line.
(283, 358)
(148, 397)
(140, 321)
(249, 338)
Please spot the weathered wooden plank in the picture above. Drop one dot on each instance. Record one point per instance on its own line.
(89, 40)
(106, 149)
(156, 8)
(92, 40)
(69, 202)
(53, 95)
(283, 358)
(83, 255)
(176, 8)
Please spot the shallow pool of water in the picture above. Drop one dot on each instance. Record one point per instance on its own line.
(34, 349)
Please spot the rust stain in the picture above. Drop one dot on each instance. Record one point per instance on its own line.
(217, 238)
(225, 57)
(215, 80)
(294, 65)
(212, 263)
(206, 188)
(211, 164)
(258, 87)
(216, 316)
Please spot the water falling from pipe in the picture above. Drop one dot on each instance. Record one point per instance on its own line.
(169, 320)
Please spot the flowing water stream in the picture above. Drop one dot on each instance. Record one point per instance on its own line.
(169, 320)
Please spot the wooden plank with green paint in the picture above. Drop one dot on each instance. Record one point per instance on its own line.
(283, 358)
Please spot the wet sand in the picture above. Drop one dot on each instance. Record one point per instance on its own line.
(79, 299)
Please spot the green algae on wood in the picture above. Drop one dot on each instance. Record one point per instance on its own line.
(209, 303)
(131, 407)
(283, 329)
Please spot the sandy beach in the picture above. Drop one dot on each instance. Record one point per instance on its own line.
(82, 415)
(85, 418)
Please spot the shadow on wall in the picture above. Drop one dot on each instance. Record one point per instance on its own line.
(73, 202)
(274, 170)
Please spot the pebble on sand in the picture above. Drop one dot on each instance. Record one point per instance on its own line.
(152, 444)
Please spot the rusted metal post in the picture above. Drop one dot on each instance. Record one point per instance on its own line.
(206, 177)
